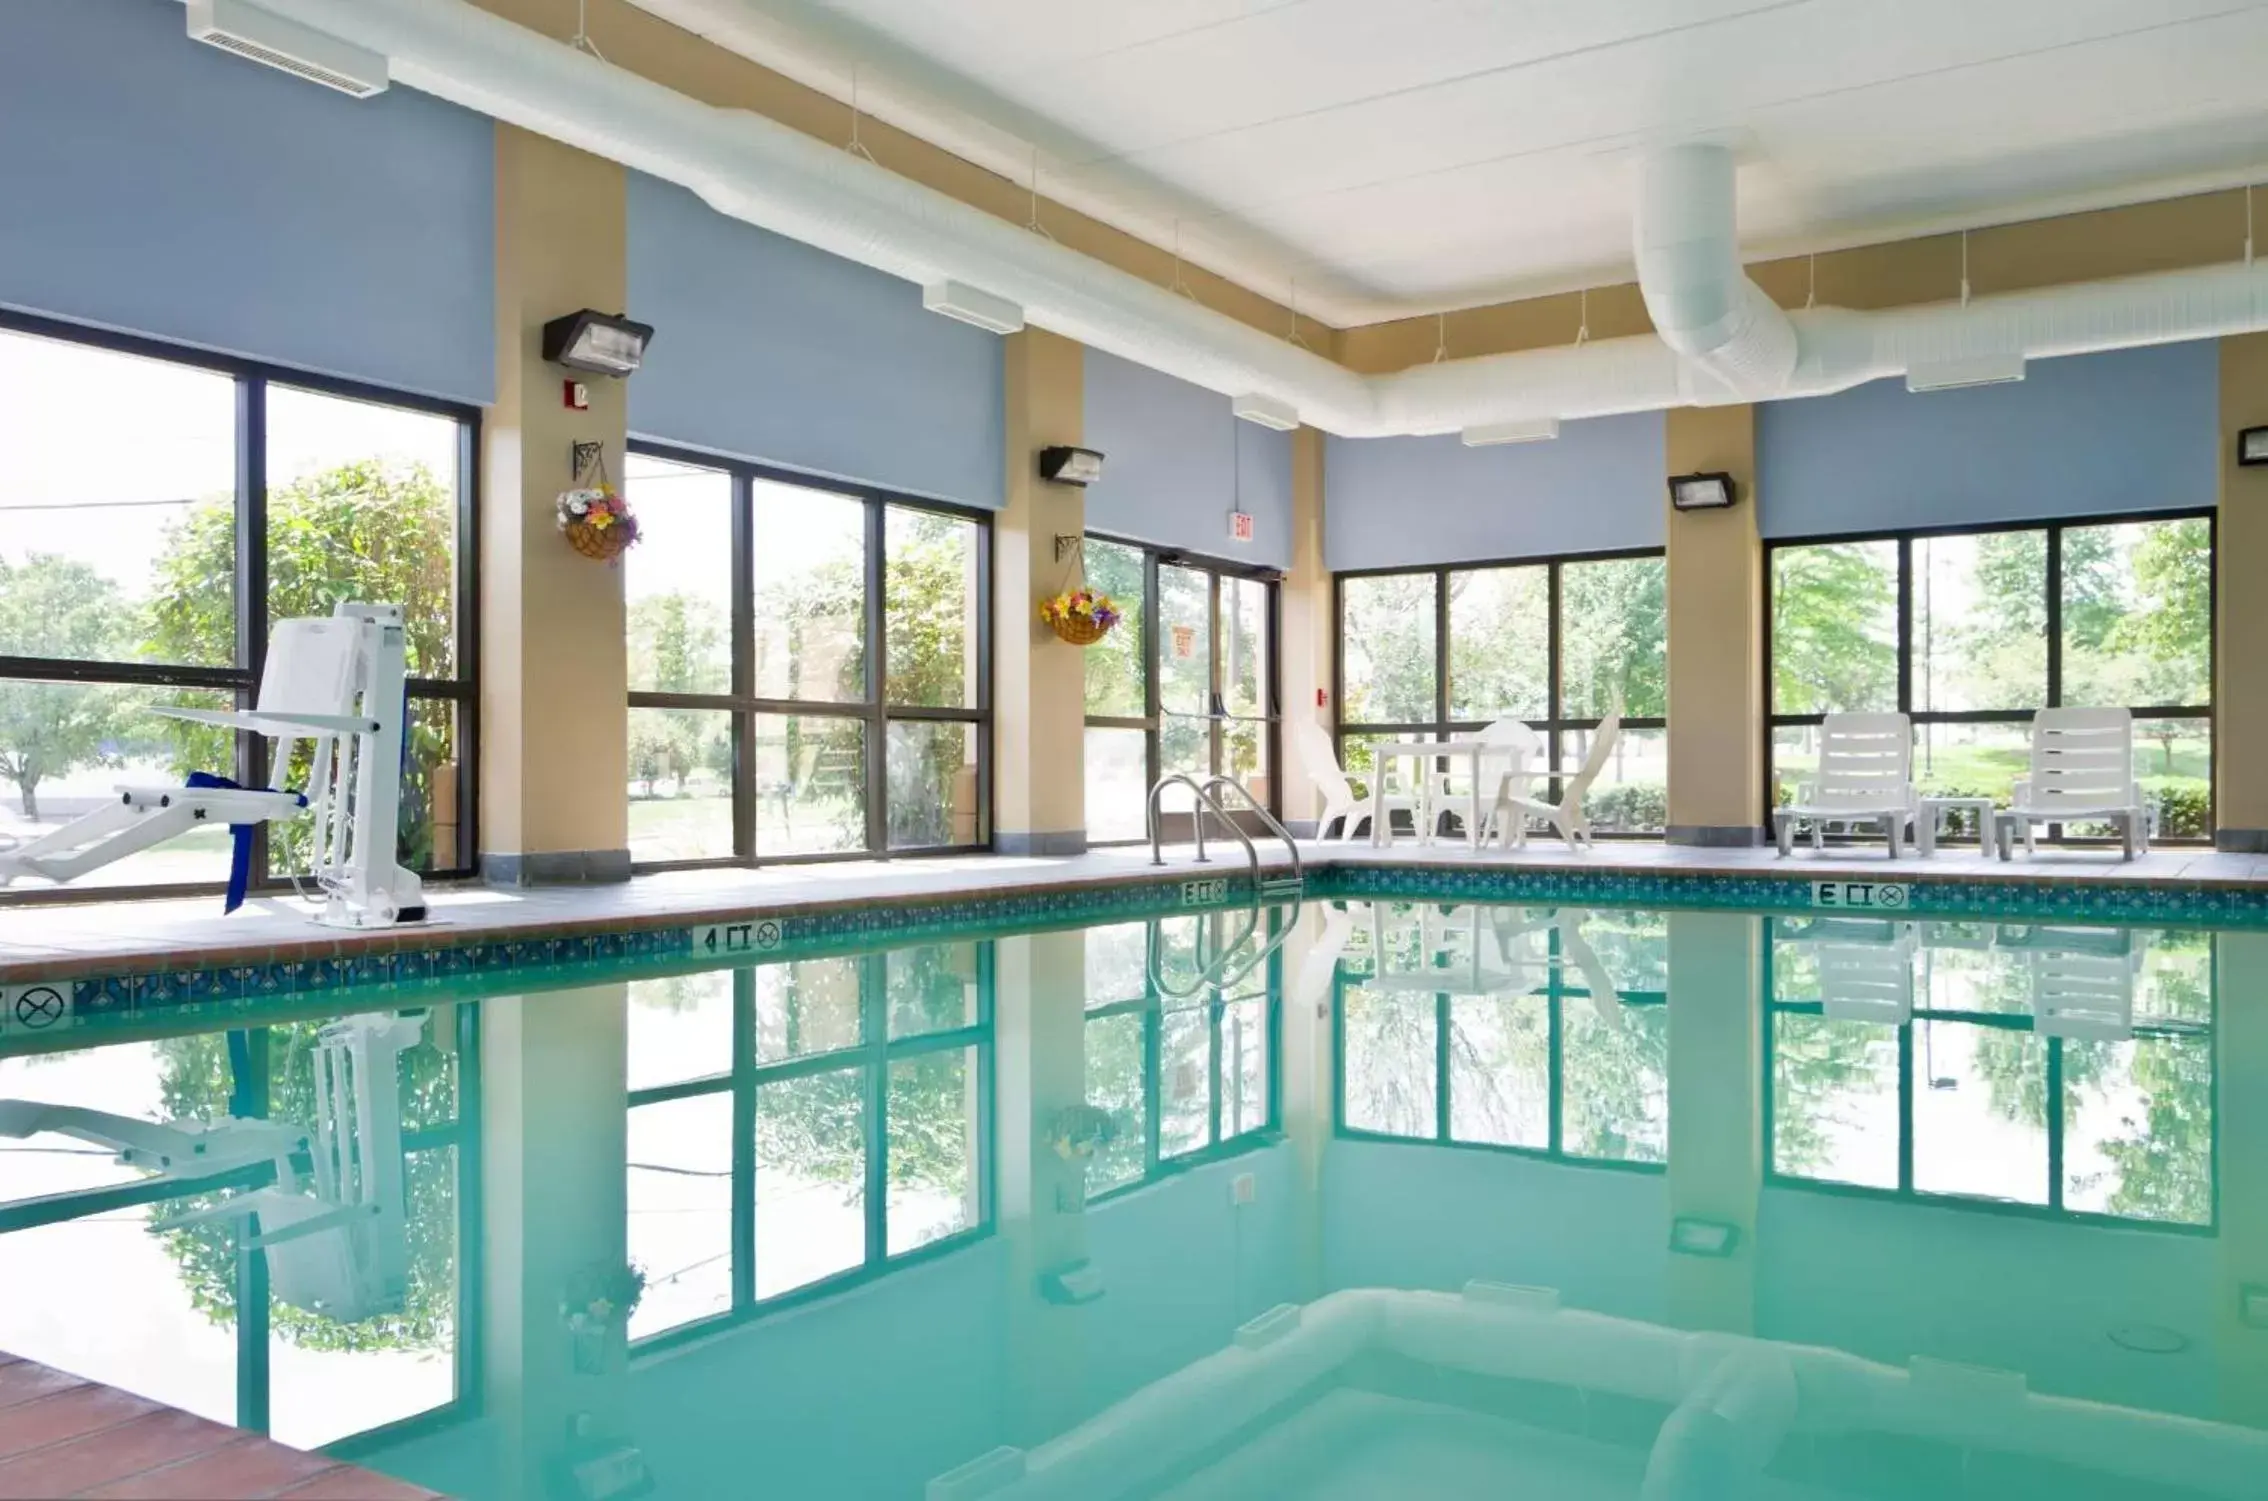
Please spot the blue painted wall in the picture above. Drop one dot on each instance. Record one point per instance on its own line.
(156, 185)
(2091, 435)
(1407, 502)
(1176, 464)
(770, 350)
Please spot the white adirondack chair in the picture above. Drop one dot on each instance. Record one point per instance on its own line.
(1566, 817)
(1340, 804)
(1865, 777)
(2082, 772)
(1513, 747)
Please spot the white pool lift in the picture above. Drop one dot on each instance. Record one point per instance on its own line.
(338, 1244)
(336, 682)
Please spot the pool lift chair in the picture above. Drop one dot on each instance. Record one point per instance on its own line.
(337, 1245)
(333, 681)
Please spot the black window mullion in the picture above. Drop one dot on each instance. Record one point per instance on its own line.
(1153, 697)
(877, 686)
(1554, 670)
(1906, 625)
(2055, 617)
(741, 617)
(1440, 647)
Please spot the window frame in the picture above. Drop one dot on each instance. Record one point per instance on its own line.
(2058, 1100)
(1151, 721)
(1555, 993)
(871, 1056)
(2052, 683)
(874, 712)
(252, 379)
(1553, 728)
(1264, 984)
(249, 1059)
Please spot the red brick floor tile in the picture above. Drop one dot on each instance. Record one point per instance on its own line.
(27, 1381)
(66, 1415)
(163, 1437)
(348, 1484)
(249, 1468)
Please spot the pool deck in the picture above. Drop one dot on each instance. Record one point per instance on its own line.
(52, 940)
(63, 1436)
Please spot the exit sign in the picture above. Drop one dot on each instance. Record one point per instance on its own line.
(1240, 526)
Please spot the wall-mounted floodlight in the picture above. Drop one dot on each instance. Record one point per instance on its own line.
(2252, 446)
(1065, 465)
(602, 343)
(1701, 492)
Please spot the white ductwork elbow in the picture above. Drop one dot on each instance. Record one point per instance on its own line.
(1687, 241)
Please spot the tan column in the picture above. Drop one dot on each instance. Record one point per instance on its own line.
(2240, 554)
(1716, 635)
(553, 1210)
(554, 678)
(2241, 1091)
(1038, 682)
(1039, 1012)
(1716, 1113)
(1307, 649)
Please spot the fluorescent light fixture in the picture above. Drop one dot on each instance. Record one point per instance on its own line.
(981, 309)
(602, 343)
(1524, 430)
(1267, 411)
(1701, 492)
(1698, 1237)
(2252, 446)
(268, 39)
(1952, 375)
(1070, 466)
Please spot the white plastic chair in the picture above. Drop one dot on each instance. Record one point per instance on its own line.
(1513, 745)
(1321, 760)
(1866, 971)
(1865, 777)
(2082, 771)
(1566, 817)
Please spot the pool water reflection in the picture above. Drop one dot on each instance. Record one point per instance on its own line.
(1008, 1216)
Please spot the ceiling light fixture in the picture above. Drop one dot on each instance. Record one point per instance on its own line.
(1521, 430)
(1267, 411)
(302, 51)
(1954, 375)
(980, 309)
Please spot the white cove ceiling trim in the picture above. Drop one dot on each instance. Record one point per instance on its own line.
(1735, 346)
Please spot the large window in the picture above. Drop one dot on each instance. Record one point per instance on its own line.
(1186, 1078)
(1556, 645)
(189, 1315)
(1507, 1028)
(848, 1129)
(808, 668)
(164, 509)
(1969, 632)
(1187, 682)
(1969, 1097)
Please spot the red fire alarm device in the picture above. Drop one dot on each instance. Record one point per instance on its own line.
(1322, 698)
(578, 396)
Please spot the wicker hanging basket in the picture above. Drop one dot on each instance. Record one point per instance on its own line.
(592, 542)
(1077, 630)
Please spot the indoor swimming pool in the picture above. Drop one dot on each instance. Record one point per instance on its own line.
(1433, 1197)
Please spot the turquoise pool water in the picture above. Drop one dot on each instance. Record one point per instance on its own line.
(1437, 1200)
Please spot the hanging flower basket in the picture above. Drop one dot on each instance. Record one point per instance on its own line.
(597, 522)
(593, 516)
(1081, 616)
(596, 1309)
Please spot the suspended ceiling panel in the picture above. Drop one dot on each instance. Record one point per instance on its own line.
(1398, 156)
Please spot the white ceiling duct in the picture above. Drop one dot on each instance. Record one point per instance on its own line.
(1731, 343)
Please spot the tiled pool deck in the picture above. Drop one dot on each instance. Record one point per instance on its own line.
(94, 938)
(62, 1436)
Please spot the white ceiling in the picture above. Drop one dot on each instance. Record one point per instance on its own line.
(1395, 157)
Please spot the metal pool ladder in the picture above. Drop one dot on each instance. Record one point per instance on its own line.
(1229, 965)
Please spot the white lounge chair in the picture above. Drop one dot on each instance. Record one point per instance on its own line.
(1566, 817)
(1340, 805)
(1865, 777)
(1513, 746)
(2082, 772)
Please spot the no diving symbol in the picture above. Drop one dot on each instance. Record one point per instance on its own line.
(767, 935)
(38, 1006)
